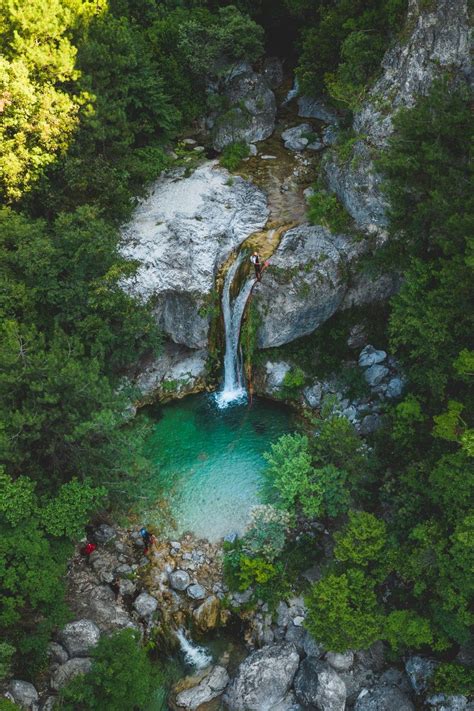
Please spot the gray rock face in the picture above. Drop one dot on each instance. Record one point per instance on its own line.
(196, 592)
(438, 38)
(375, 374)
(263, 679)
(275, 374)
(340, 662)
(420, 670)
(296, 138)
(317, 109)
(179, 580)
(311, 647)
(145, 605)
(177, 371)
(23, 693)
(182, 233)
(57, 653)
(209, 688)
(383, 698)
(303, 286)
(358, 187)
(371, 356)
(104, 533)
(79, 637)
(313, 394)
(66, 672)
(442, 702)
(109, 616)
(252, 114)
(318, 685)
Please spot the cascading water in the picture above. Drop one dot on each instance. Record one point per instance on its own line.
(194, 655)
(234, 383)
(293, 93)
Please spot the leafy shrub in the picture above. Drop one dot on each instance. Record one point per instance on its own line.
(294, 379)
(453, 679)
(266, 533)
(233, 154)
(255, 571)
(325, 209)
(362, 541)
(121, 677)
(343, 612)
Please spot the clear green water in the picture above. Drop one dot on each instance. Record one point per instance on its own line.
(209, 464)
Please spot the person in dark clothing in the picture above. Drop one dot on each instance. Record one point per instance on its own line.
(148, 539)
(256, 261)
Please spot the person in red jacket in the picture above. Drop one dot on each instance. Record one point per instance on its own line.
(88, 548)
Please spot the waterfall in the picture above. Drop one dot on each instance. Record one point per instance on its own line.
(293, 93)
(234, 383)
(195, 656)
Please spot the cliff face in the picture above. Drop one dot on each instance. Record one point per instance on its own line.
(436, 39)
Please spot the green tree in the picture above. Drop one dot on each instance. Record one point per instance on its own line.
(35, 544)
(121, 677)
(343, 612)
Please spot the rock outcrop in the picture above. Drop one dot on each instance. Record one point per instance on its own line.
(383, 698)
(181, 234)
(308, 280)
(263, 679)
(318, 685)
(79, 637)
(23, 694)
(252, 112)
(178, 371)
(210, 686)
(436, 40)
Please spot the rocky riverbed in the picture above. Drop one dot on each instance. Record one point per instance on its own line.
(179, 585)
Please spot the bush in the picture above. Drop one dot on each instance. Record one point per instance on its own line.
(233, 154)
(454, 679)
(266, 533)
(121, 677)
(343, 612)
(294, 379)
(325, 209)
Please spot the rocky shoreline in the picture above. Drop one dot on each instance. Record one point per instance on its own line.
(179, 585)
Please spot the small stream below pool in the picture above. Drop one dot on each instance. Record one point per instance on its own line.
(209, 464)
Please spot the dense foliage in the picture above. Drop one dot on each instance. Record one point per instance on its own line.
(90, 95)
(401, 569)
(121, 677)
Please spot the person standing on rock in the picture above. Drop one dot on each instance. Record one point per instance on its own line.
(148, 539)
(255, 259)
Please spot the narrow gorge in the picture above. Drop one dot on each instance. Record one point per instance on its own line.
(257, 494)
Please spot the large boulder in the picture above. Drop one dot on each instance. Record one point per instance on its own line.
(318, 685)
(209, 688)
(340, 661)
(309, 107)
(78, 638)
(23, 694)
(252, 114)
(145, 605)
(179, 579)
(68, 671)
(420, 670)
(207, 615)
(263, 679)
(182, 233)
(177, 371)
(297, 138)
(303, 286)
(383, 698)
